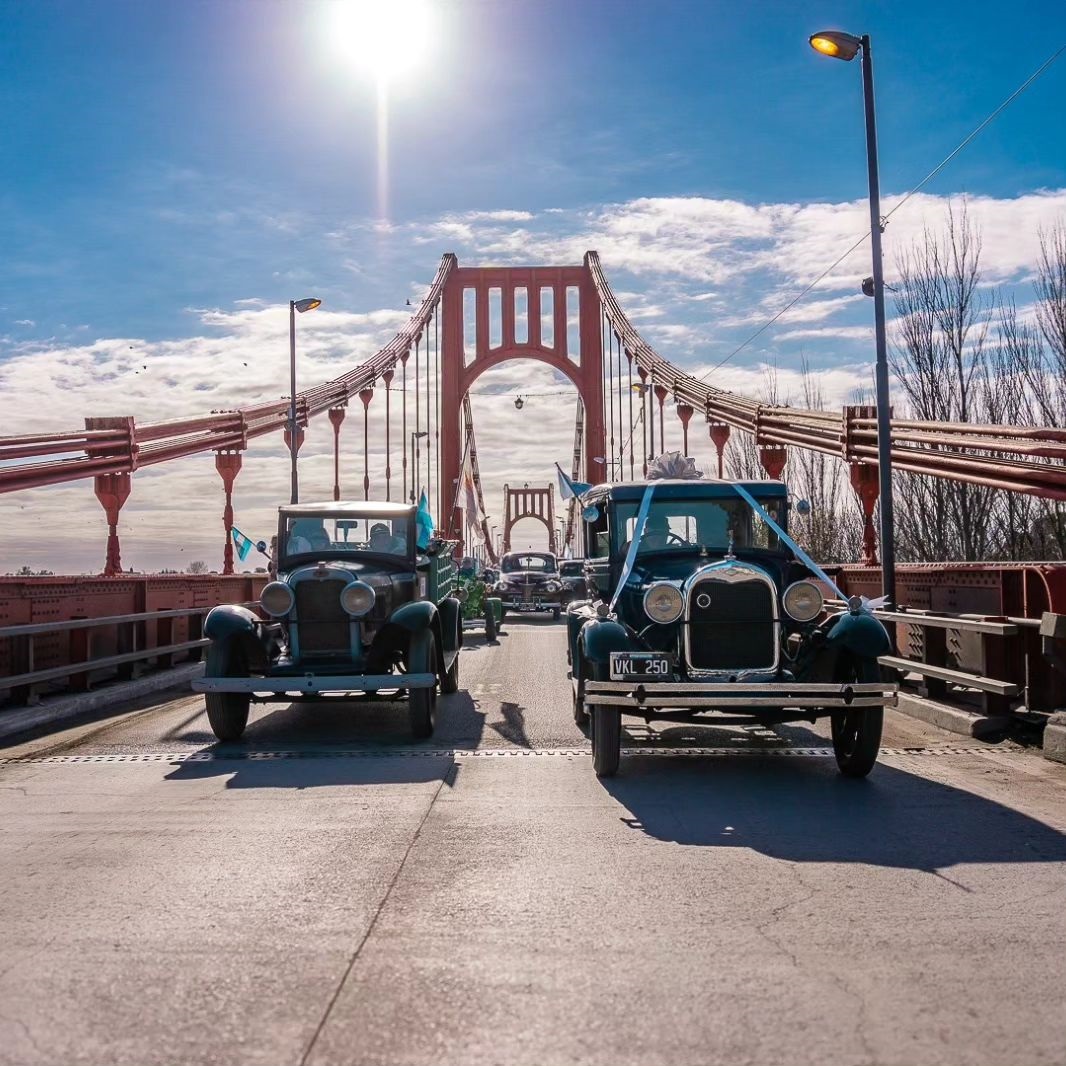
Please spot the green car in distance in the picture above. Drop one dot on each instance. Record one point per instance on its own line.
(480, 607)
(356, 609)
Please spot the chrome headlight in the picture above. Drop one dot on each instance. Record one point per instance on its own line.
(551, 586)
(357, 598)
(276, 599)
(663, 603)
(802, 601)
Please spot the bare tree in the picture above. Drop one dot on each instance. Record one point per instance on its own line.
(941, 365)
(198, 566)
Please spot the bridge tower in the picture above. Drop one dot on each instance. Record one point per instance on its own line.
(532, 333)
(529, 502)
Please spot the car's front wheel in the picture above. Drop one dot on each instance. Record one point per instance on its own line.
(227, 711)
(857, 731)
(490, 623)
(606, 740)
(422, 702)
(556, 611)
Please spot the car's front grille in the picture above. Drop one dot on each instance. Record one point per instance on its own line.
(322, 623)
(731, 625)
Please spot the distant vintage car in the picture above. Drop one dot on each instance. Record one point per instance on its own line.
(572, 573)
(356, 608)
(530, 581)
(717, 621)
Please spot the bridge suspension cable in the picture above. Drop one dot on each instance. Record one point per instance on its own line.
(1019, 459)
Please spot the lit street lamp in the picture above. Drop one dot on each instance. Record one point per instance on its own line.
(295, 305)
(416, 455)
(846, 46)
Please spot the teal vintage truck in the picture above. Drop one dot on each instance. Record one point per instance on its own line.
(356, 608)
(698, 608)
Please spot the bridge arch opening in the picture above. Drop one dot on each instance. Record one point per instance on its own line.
(516, 445)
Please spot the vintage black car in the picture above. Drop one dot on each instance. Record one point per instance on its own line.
(572, 573)
(356, 608)
(530, 581)
(716, 619)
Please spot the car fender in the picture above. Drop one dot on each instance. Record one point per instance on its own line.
(599, 637)
(861, 634)
(450, 614)
(395, 635)
(229, 621)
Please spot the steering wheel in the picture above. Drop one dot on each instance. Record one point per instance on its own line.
(676, 538)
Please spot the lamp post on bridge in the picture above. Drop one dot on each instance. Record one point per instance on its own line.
(416, 436)
(846, 46)
(308, 304)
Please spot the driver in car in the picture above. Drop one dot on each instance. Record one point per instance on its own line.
(382, 540)
(657, 533)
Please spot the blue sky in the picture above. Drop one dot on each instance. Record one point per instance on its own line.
(172, 173)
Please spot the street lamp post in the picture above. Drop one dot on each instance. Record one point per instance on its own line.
(295, 305)
(846, 46)
(416, 455)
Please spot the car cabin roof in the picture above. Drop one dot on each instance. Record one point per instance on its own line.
(687, 489)
(351, 509)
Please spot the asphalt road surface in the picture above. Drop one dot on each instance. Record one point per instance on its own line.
(329, 892)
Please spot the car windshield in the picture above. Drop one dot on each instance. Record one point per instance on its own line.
(310, 534)
(715, 524)
(571, 569)
(538, 564)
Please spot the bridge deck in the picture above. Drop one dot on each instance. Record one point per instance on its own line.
(329, 892)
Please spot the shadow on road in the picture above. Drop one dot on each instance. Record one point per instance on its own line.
(802, 811)
(308, 745)
(513, 725)
(301, 770)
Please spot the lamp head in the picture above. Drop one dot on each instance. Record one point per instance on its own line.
(836, 44)
(519, 403)
(307, 305)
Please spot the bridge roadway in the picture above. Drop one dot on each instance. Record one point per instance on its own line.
(321, 894)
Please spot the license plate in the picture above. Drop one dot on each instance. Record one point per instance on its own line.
(628, 664)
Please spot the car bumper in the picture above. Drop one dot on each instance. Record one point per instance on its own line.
(313, 683)
(781, 696)
(531, 605)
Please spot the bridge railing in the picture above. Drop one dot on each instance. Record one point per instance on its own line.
(64, 634)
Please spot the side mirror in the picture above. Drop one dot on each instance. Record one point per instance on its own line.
(261, 547)
(803, 508)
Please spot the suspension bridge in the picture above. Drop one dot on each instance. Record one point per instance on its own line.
(624, 387)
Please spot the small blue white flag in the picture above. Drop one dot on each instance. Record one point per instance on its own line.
(244, 544)
(569, 489)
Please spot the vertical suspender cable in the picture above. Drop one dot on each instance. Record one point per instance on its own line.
(403, 428)
(429, 423)
(436, 400)
(632, 427)
(418, 421)
(621, 425)
(609, 333)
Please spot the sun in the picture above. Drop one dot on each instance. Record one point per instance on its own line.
(382, 38)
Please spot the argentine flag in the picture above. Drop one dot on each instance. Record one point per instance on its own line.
(244, 545)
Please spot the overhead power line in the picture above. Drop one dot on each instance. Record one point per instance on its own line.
(929, 177)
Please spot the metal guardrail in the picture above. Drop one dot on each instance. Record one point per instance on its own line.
(21, 684)
(936, 676)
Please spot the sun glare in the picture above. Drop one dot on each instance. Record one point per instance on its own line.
(383, 38)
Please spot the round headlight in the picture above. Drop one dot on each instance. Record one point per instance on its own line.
(663, 603)
(802, 601)
(552, 586)
(276, 599)
(357, 598)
